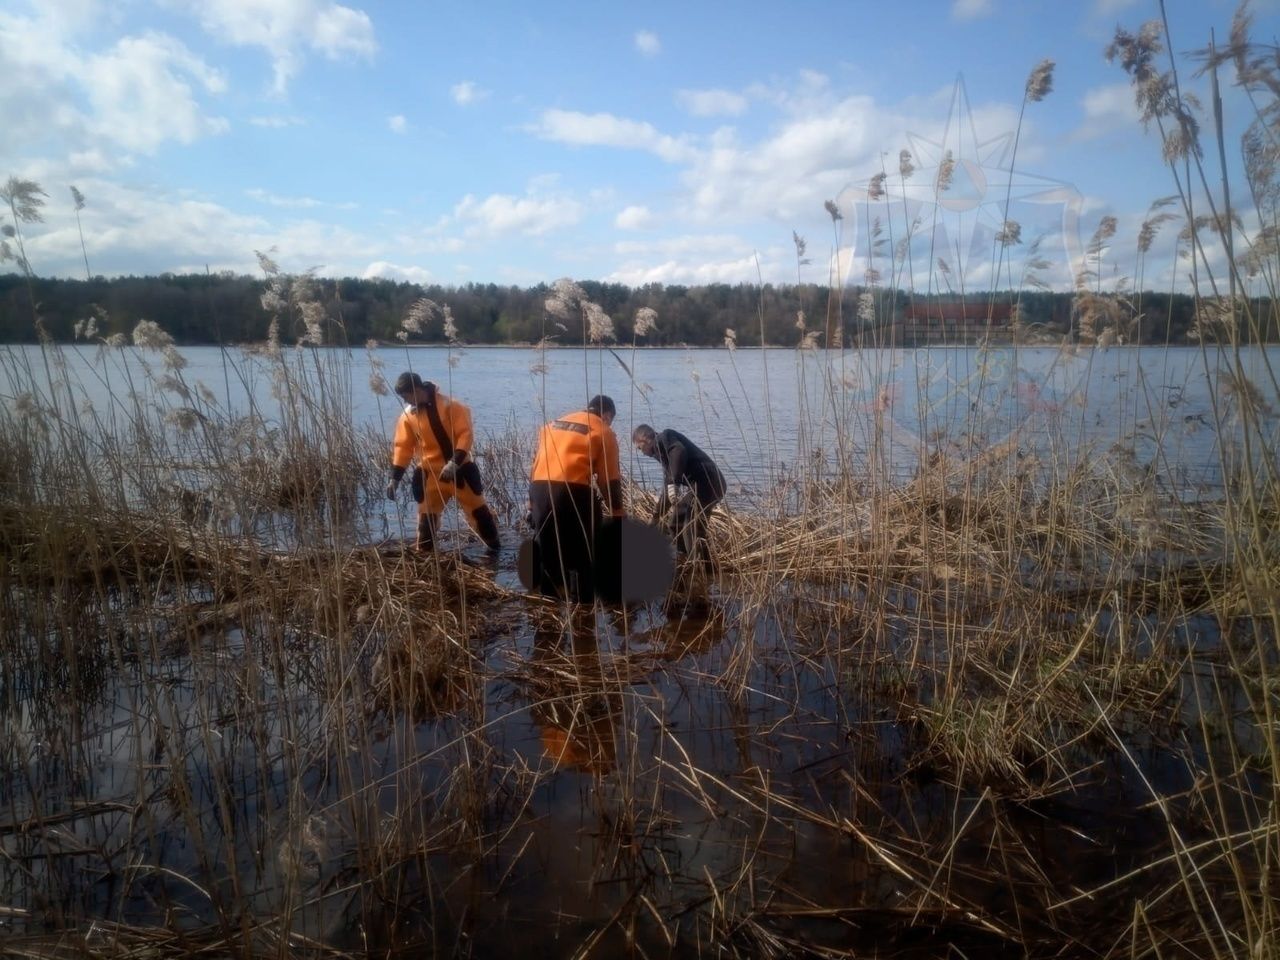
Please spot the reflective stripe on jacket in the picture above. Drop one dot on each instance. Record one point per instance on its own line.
(574, 449)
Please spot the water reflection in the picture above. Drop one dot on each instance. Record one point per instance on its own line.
(574, 705)
(666, 775)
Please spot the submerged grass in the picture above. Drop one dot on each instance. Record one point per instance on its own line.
(1021, 703)
(999, 707)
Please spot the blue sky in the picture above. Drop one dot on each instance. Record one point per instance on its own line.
(516, 143)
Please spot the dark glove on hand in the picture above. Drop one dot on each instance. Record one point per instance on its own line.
(396, 474)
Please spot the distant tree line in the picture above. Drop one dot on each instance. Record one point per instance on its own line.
(225, 308)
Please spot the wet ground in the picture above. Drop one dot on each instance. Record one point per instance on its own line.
(688, 778)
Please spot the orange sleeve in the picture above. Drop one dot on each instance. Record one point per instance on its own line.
(612, 467)
(460, 426)
(405, 443)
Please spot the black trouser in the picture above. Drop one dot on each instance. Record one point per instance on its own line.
(566, 517)
(689, 520)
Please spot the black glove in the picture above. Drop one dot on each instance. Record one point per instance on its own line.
(394, 482)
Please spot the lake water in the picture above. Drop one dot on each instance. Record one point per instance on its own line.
(192, 762)
(765, 414)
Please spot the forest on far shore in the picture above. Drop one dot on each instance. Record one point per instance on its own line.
(226, 308)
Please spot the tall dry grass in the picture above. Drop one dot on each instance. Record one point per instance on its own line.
(1020, 701)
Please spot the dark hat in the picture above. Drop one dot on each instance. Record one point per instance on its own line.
(600, 405)
(407, 381)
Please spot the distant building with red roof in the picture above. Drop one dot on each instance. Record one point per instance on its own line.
(955, 321)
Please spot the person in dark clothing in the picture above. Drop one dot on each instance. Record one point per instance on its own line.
(684, 464)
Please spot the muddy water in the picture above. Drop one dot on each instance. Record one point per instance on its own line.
(621, 781)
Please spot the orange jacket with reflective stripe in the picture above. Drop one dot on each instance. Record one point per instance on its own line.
(414, 433)
(575, 448)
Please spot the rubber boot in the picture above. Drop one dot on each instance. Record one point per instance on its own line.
(487, 527)
(427, 531)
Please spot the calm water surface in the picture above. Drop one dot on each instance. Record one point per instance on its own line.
(761, 414)
(684, 766)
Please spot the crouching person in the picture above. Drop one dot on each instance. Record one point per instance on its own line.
(684, 464)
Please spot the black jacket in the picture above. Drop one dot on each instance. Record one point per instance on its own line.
(684, 463)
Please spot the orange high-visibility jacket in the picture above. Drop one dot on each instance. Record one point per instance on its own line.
(414, 434)
(575, 448)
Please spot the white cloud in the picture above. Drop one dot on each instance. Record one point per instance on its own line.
(740, 270)
(144, 230)
(274, 200)
(788, 175)
(647, 43)
(698, 245)
(294, 203)
(69, 16)
(41, 104)
(394, 271)
(971, 9)
(1109, 8)
(633, 218)
(503, 213)
(277, 122)
(817, 153)
(810, 93)
(92, 161)
(148, 230)
(712, 103)
(339, 31)
(1106, 109)
(397, 124)
(466, 93)
(695, 259)
(606, 130)
(142, 95)
(822, 146)
(97, 105)
(288, 29)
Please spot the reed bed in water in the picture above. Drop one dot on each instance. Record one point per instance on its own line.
(988, 710)
(1017, 705)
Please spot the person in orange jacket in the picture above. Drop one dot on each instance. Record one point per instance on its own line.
(436, 430)
(575, 482)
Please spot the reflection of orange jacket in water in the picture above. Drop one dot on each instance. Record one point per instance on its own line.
(585, 743)
(575, 715)
(576, 448)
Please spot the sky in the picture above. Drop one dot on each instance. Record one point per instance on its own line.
(517, 143)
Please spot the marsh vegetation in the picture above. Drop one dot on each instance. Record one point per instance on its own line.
(1022, 701)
